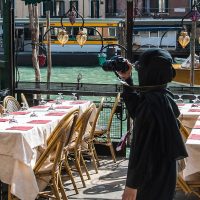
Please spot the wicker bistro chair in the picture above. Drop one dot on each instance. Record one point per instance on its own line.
(62, 137)
(47, 167)
(11, 104)
(24, 100)
(89, 138)
(73, 150)
(191, 184)
(102, 133)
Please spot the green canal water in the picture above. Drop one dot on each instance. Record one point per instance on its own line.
(69, 75)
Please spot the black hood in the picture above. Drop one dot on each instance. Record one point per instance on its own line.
(155, 67)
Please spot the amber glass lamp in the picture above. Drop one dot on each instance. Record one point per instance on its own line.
(183, 39)
(81, 38)
(63, 37)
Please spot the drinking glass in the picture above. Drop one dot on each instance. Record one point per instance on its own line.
(33, 114)
(51, 107)
(23, 106)
(179, 100)
(13, 120)
(42, 102)
(74, 97)
(196, 101)
(5, 113)
(59, 98)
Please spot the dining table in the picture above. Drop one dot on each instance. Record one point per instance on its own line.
(21, 133)
(190, 118)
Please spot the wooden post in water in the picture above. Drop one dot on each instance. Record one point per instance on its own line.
(49, 60)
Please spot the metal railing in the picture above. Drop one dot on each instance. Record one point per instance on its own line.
(94, 92)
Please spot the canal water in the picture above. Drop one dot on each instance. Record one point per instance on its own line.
(69, 75)
(94, 74)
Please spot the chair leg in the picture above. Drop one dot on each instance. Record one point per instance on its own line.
(112, 152)
(91, 149)
(77, 163)
(62, 190)
(68, 170)
(96, 156)
(84, 165)
(55, 188)
(9, 193)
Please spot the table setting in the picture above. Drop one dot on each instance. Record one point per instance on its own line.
(190, 118)
(21, 133)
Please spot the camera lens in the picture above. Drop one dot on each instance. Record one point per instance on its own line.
(108, 66)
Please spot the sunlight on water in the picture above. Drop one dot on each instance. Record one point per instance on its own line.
(69, 75)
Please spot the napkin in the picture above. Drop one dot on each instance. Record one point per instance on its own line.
(194, 137)
(40, 106)
(39, 121)
(4, 120)
(180, 104)
(20, 113)
(77, 102)
(63, 107)
(20, 128)
(194, 110)
(54, 101)
(196, 126)
(55, 114)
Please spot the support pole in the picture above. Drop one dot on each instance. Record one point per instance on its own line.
(9, 45)
(129, 34)
(192, 52)
(192, 48)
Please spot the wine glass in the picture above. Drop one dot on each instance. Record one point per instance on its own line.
(196, 101)
(13, 120)
(33, 114)
(23, 106)
(74, 96)
(5, 112)
(179, 100)
(42, 102)
(59, 98)
(51, 107)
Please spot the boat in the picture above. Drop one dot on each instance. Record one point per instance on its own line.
(183, 75)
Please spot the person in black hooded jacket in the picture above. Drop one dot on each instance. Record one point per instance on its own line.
(156, 143)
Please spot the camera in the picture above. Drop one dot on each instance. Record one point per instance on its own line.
(116, 63)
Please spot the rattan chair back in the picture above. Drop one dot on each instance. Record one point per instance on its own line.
(11, 104)
(60, 124)
(24, 100)
(82, 123)
(61, 136)
(117, 100)
(94, 123)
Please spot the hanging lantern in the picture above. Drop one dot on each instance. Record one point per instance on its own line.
(81, 38)
(195, 15)
(183, 39)
(72, 17)
(63, 37)
(42, 60)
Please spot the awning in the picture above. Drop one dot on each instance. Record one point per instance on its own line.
(156, 28)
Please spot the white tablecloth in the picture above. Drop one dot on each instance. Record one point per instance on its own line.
(190, 117)
(18, 149)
